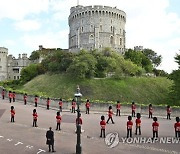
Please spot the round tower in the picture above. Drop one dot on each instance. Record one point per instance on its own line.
(96, 27)
(3, 63)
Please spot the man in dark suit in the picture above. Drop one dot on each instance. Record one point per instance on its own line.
(50, 139)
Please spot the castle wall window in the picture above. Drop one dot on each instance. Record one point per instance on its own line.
(100, 28)
(0, 59)
(82, 29)
(111, 28)
(120, 41)
(111, 40)
(16, 70)
(91, 38)
(0, 67)
(14, 77)
(92, 28)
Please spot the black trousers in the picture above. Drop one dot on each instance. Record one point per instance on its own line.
(13, 99)
(73, 110)
(155, 134)
(35, 104)
(169, 116)
(87, 110)
(109, 119)
(25, 102)
(129, 133)
(10, 100)
(47, 107)
(60, 108)
(138, 128)
(58, 127)
(102, 133)
(51, 146)
(12, 118)
(133, 113)
(150, 114)
(2, 96)
(34, 123)
(177, 134)
(118, 112)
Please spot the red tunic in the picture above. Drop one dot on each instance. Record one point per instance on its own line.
(177, 126)
(118, 106)
(35, 115)
(138, 122)
(48, 102)
(58, 119)
(103, 124)
(110, 113)
(14, 95)
(60, 103)
(150, 109)
(25, 97)
(10, 95)
(36, 99)
(80, 120)
(12, 112)
(133, 107)
(3, 93)
(73, 104)
(129, 124)
(87, 105)
(155, 126)
(168, 110)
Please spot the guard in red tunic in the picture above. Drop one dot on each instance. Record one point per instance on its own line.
(129, 127)
(177, 127)
(110, 114)
(35, 116)
(58, 120)
(60, 104)
(12, 113)
(168, 112)
(3, 94)
(103, 126)
(73, 106)
(48, 103)
(36, 100)
(133, 107)
(79, 122)
(87, 106)
(14, 96)
(155, 126)
(118, 107)
(150, 110)
(10, 95)
(25, 99)
(138, 124)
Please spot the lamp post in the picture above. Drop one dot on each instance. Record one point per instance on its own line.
(78, 95)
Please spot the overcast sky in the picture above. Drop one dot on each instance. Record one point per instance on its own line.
(26, 24)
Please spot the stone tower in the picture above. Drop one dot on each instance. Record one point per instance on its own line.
(96, 27)
(3, 63)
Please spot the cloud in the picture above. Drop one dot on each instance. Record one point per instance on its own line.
(19, 9)
(28, 25)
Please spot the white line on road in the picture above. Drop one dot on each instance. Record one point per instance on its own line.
(18, 143)
(40, 150)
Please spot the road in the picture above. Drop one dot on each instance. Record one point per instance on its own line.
(21, 138)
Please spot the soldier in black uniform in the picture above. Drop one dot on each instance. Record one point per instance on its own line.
(50, 139)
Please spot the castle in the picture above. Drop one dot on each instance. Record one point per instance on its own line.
(10, 67)
(90, 27)
(97, 27)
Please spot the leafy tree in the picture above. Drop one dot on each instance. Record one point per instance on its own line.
(175, 76)
(34, 55)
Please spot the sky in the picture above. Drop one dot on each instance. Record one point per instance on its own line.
(153, 24)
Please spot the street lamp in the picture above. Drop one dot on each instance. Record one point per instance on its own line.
(78, 95)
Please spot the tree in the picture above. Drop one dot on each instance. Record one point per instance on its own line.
(175, 76)
(34, 55)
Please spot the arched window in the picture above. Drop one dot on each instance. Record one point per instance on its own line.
(111, 28)
(111, 40)
(120, 41)
(91, 38)
(100, 28)
(72, 42)
(82, 29)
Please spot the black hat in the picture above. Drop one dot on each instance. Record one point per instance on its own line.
(34, 110)
(58, 113)
(118, 101)
(138, 115)
(102, 117)
(129, 118)
(177, 119)
(155, 119)
(150, 104)
(110, 107)
(12, 107)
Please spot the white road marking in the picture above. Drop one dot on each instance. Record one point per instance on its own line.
(29, 146)
(1, 136)
(40, 150)
(18, 143)
(9, 140)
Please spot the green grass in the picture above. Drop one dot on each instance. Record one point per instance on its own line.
(141, 89)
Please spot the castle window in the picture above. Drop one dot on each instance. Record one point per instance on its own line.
(91, 38)
(103, 12)
(100, 19)
(96, 12)
(92, 12)
(100, 28)
(0, 67)
(89, 12)
(120, 31)
(100, 12)
(120, 41)
(111, 21)
(72, 42)
(111, 40)
(83, 13)
(18, 77)
(92, 28)
(82, 29)
(81, 21)
(0, 59)
(111, 28)
(14, 77)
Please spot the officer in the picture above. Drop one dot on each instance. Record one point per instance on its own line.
(133, 107)
(150, 110)
(168, 112)
(129, 127)
(110, 114)
(73, 106)
(50, 139)
(12, 113)
(103, 126)
(36, 100)
(155, 126)
(138, 124)
(177, 127)
(10, 96)
(14, 96)
(35, 116)
(25, 99)
(87, 106)
(58, 120)
(60, 104)
(118, 107)
(3, 94)
(48, 103)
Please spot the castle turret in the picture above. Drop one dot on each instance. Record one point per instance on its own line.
(3, 63)
(96, 27)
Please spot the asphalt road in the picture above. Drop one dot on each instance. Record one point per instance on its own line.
(21, 138)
